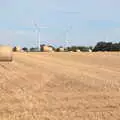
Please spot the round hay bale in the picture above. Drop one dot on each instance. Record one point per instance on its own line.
(90, 50)
(47, 49)
(18, 49)
(61, 49)
(6, 53)
(50, 49)
(77, 50)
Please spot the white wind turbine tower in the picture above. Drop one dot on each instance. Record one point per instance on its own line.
(66, 36)
(38, 35)
(69, 26)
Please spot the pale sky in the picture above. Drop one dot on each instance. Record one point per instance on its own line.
(87, 21)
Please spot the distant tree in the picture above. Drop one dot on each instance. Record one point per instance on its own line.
(115, 47)
(84, 48)
(103, 46)
(57, 50)
(25, 49)
(41, 46)
(33, 49)
(107, 46)
(14, 49)
(73, 48)
(68, 48)
(91, 47)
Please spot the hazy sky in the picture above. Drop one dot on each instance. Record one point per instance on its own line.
(87, 21)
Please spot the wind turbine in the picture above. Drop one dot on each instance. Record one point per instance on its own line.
(69, 26)
(38, 35)
(66, 36)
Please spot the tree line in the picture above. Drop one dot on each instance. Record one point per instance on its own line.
(107, 46)
(100, 46)
(67, 49)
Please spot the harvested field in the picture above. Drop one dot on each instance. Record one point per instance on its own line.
(60, 86)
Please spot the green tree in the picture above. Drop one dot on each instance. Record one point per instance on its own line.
(25, 49)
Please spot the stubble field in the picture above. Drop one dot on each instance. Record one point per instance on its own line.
(60, 86)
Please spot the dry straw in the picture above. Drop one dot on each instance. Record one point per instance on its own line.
(77, 50)
(6, 53)
(61, 49)
(18, 49)
(47, 49)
